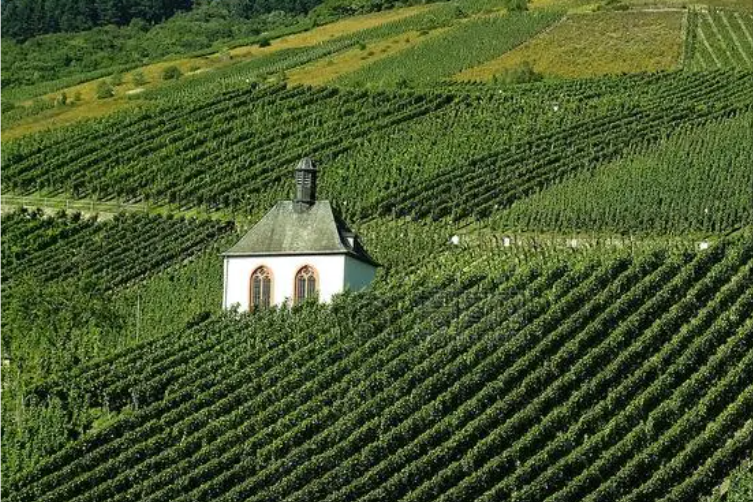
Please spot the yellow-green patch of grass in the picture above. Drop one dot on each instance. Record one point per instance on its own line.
(153, 72)
(329, 31)
(572, 6)
(565, 5)
(325, 71)
(682, 4)
(87, 104)
(58, 117)
(585, 45)
(84, 104)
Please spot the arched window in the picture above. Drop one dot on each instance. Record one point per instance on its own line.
(305, 284)
(261, 288)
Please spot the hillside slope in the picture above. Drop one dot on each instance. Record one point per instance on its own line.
(564, 311)
(567, 378)
(436, 154)
(690, 183)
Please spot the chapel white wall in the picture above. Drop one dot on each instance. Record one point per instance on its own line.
(330, 272)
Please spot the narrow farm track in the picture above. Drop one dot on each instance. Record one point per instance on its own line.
(497, 384)
(744, 27)
(708, 52)
(724, 53)
(747, 61)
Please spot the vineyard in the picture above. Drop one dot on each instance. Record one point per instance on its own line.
(116, 252)
(587, 45)
(465, 46)
(719, 39)
(108, 266)
(233, 152)
(570, 378)
(690, 183)
(563, 307)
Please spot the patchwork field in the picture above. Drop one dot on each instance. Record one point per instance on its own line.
(463, 46)
(585, 45)
(325, 71)
(561, 204)
(88, 106)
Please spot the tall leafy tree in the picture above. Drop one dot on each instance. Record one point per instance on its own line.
(23, 19)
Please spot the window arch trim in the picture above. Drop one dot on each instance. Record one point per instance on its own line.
(314, 274)
(270, 290)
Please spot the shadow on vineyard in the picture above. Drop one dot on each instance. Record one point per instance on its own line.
(562, 312)
(512, 365)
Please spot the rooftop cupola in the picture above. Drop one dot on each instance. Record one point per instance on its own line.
(305, 185)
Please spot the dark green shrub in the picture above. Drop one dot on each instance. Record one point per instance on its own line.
(171, 73)
(104, 90)
(522, 74)
(138, 78)
(7, 106)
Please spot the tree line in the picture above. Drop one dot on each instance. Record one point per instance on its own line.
(24, 19)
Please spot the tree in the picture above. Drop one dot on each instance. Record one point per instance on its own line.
(62, 99)
(520, 74)
(104, 90)
(171, 72)
(138, 78)
(23, 19)
(7, 106)
(117, 78)
(51, 327)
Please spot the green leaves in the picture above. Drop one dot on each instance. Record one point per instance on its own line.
(577, 377)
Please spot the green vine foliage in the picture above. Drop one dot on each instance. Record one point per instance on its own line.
(568, 376)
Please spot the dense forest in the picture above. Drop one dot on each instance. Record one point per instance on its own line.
(59, 55)
(23, 19)
(40, 45)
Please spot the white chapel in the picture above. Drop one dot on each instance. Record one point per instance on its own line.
(299, 249)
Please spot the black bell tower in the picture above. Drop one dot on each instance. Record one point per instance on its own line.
(305, 185)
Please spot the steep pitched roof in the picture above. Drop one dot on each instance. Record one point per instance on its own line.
(285, 231)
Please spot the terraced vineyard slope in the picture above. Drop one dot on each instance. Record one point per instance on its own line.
(561, 379)
(719, 39)
(691, 183)
(564, 306)
(116, 252)
(232, 151)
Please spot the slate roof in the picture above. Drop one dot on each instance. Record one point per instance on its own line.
(284, 231)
